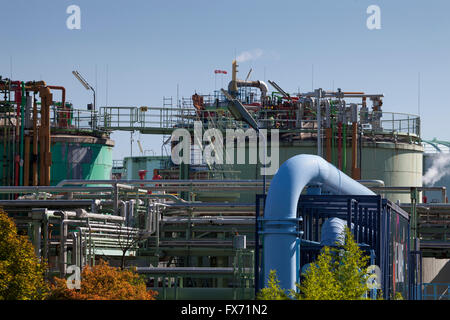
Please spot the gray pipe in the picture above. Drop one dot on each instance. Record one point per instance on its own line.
(261, 85)
(62, 244)
(168, 182)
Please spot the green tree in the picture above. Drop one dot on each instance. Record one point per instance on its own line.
(273, 290)
(21, 272)
(339, 273)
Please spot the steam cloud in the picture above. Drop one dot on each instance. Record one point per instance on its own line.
(440, 168)
(249, 55)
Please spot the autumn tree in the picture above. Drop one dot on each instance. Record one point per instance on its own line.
(103, 282)
(21, 272)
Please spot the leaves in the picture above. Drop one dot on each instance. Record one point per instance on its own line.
(339, 273)
(103, 282)
(273, 290)
(21, 272)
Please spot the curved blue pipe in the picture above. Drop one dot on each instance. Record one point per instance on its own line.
(280, 233)
(332, 231)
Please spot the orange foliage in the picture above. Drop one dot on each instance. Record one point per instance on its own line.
(103, 282)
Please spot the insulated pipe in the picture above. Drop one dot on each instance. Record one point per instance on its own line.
(280, 215)
(332, 232)
(256, 84)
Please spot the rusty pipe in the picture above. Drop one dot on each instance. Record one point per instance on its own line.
(44, 132)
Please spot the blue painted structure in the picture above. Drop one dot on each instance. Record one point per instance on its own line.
(281, 234)
(295, 227)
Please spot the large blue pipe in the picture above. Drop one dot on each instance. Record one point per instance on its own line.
(280, 235)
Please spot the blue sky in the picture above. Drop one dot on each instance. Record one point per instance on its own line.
(150, 47)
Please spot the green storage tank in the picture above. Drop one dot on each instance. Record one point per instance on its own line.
(80, 157)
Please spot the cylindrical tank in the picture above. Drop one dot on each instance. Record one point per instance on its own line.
(73, 157)
(81, 157)
(397, 164)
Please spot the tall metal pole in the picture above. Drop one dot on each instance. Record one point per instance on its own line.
(319, 122)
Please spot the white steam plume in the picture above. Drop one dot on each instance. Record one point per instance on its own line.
(440, 167)
(249, 55)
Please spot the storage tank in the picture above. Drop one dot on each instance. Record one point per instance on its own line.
(397, 164)
(44, 141)
(81, 157)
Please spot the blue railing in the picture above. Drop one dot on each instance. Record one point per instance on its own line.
(436, 291)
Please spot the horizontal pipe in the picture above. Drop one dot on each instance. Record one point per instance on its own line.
(210, 220)
(370, 183)
(168, 182)
(46, 203)
(189, 270)
(84, 214)
(36, 189)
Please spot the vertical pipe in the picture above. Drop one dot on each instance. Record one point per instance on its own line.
(8, 153)
(63, 114)
(356, 173)
(328, 135)
(340, 145)
(22, 132)
(18, 100)
(63, 244)
(319, 123)
(280, 214)
(344, 147)
(42, 142)
(26, 161)
(46, 160)
(35, 146)
(5, 161)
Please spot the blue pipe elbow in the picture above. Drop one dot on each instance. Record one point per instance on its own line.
(280, 234)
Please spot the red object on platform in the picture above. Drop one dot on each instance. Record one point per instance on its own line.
(142, 174)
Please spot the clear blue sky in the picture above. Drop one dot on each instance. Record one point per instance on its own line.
(151, 46)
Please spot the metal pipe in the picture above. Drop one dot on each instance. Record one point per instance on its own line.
(374, 183)
(261, 85)
(168, 182)
(45, 203)
(45, 145)
(22, 132)
(18, 101)
(26, 161)
(35, 146)
(189, 270)
(36, 189)
(280, 215)
(62, 244)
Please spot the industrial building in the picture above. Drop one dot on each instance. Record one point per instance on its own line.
(211, 229)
